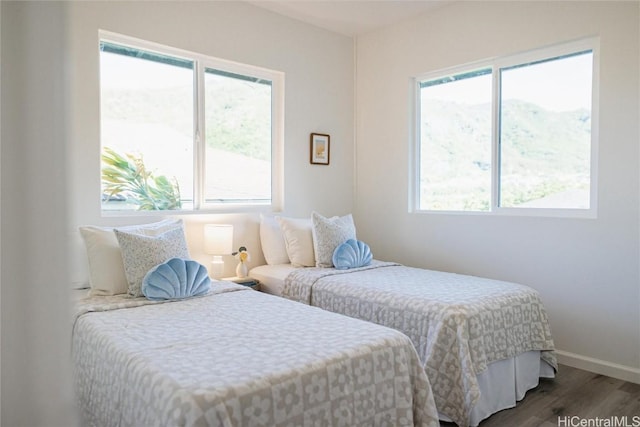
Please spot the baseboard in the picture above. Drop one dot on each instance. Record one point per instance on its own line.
(598, 366)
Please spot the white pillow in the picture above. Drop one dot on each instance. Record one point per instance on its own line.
(106, 270)
(328, 234)
(141, 253)
(272, 241)
(298, 241)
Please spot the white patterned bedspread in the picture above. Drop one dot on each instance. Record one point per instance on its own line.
(458, 324)
(237, 357)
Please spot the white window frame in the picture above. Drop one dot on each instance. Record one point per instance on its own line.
(496, 64)
(200, 206)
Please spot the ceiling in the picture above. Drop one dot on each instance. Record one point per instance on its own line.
(348, 17)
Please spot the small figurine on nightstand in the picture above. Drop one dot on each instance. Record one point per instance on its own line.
(243, 256)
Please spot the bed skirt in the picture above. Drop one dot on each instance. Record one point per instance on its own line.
(505, 382)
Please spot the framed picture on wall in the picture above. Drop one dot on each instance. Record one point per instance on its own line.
(319, 149)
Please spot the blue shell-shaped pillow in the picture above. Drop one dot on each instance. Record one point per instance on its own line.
(176, 278)
(351, 254)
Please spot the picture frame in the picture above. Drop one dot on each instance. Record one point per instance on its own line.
(320, 145)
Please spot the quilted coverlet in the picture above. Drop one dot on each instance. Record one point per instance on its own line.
(458, 324)
(236, 357)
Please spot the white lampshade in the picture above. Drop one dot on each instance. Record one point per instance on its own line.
(218, 239)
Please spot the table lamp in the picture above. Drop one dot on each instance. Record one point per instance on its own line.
(218, 241)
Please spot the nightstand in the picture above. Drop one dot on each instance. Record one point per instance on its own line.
(244, 281)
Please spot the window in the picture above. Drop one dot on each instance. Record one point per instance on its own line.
(185, 131)
(509, 135)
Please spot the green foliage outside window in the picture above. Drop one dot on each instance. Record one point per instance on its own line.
(127, 176)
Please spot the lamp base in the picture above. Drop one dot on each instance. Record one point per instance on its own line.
(217, 267)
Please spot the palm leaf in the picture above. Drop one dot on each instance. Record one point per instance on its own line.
(127, 176)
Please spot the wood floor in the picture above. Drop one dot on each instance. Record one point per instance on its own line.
(573, 393)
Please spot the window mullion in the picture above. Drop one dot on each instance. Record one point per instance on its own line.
(199, 137)
(495, 140)
(415, 178)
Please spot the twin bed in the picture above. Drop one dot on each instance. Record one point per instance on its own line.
(483, 343)
(237, 357)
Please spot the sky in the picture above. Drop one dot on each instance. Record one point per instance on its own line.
(562, 85)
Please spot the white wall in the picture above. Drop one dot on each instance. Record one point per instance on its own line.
(586, 270)
(318, 67)
(36, 376)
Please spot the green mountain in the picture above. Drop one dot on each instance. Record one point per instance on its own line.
(542, 152)
(237, 113)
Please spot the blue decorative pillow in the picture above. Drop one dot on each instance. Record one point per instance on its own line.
(176, 278)
(351, 254)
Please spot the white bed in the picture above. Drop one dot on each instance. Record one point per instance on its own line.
(498, 384)
(239, 357)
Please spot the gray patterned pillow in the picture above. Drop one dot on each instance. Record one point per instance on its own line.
(141, 253)
(328, 233)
